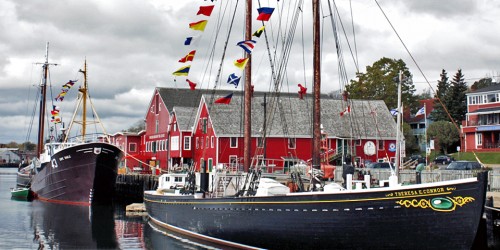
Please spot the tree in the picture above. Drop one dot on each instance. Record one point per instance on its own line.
(456, 99)
(439, 114)
(483, 82)
(137, 127)
(27, 146)
(444, 134)
(426, 94)
(378, 83)
(411, 145)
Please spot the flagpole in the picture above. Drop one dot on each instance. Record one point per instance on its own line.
(425, 132)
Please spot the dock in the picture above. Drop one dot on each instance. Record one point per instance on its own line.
(136, 209)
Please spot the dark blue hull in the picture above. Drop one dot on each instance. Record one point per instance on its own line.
(79, 175)
(443, 216)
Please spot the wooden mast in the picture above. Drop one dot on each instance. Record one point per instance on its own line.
(247, 136)
(316, 88)
(83, 90)
(43, 93)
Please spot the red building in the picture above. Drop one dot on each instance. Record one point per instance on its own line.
(367, 133)
(130, 144)
(481, 128)
(182, 128)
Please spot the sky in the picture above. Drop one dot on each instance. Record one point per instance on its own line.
(133, 46)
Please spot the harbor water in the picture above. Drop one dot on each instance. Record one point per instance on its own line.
(42, 225)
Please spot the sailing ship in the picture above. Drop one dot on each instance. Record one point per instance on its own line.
(419, 216)
(80, 170)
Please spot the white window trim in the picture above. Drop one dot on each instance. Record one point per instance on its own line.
(188, 138)
(231, 142)
(479, 139)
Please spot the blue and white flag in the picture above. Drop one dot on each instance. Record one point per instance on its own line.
(233, 79)
(421, 111)
(394, 112)
(247, 45)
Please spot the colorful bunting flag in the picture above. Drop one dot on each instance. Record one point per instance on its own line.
(65, 88)
(225, 99)
(188, 57)
(205, 10)
(184, 71)
(233, 79)
(200, 25)
(346, 111)
(188, 40)
(264, 13)
(259, 31)
(241, 63)
(247, 45)
(302, 91)
(192, 85)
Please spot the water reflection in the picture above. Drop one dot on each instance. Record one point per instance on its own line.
(64, 226)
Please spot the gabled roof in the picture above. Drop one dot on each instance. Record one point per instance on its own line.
(183, 97)
(186, 117)
(368, 119)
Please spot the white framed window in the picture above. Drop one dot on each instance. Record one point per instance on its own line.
(234, 142)
(357, 142)
(187, 143)
(479, 139)
(291, 143)
(157, 128)
(260, 142)
(233, 160)
(197, 142)
(132, 147)
(212, 141)
(381, 145)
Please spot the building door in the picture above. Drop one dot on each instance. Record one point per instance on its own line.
(210, 163)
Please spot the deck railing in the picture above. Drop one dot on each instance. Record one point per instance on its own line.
(427, 176)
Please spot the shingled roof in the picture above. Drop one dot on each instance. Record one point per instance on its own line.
(186, 117)
(368, 119)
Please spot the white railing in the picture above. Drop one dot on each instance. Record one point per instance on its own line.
(427, 176)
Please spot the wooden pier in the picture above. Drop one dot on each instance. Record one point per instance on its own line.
(130, 187)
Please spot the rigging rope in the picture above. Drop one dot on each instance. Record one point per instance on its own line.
(418, 67)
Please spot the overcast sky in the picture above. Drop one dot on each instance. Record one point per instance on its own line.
(133, 46)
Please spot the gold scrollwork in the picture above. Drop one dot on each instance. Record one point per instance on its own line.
(426, 203)
(451, 188)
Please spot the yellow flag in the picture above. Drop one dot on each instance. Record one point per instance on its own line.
(200, 25)
(241, 63)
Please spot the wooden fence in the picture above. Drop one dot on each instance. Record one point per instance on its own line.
(427, 176)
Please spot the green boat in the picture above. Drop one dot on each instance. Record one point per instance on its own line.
(20, 193)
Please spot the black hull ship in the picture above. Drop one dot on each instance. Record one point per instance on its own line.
(412, 217)
(259, 213)
(76, 170)
(79, 175)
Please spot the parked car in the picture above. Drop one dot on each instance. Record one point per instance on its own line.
(443, 159)
(418, 158)
(464, 165)
(380, 165)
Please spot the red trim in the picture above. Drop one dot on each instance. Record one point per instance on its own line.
(77, 203)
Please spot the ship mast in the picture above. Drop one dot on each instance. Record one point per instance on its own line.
(83, 90)
(247, 134)
(317, 87)
(43, 102)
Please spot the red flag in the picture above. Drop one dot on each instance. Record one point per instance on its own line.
(347, 110)
(188, 57)
(205, 10)
(192, 85)
(225, 99)
(302, 91)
